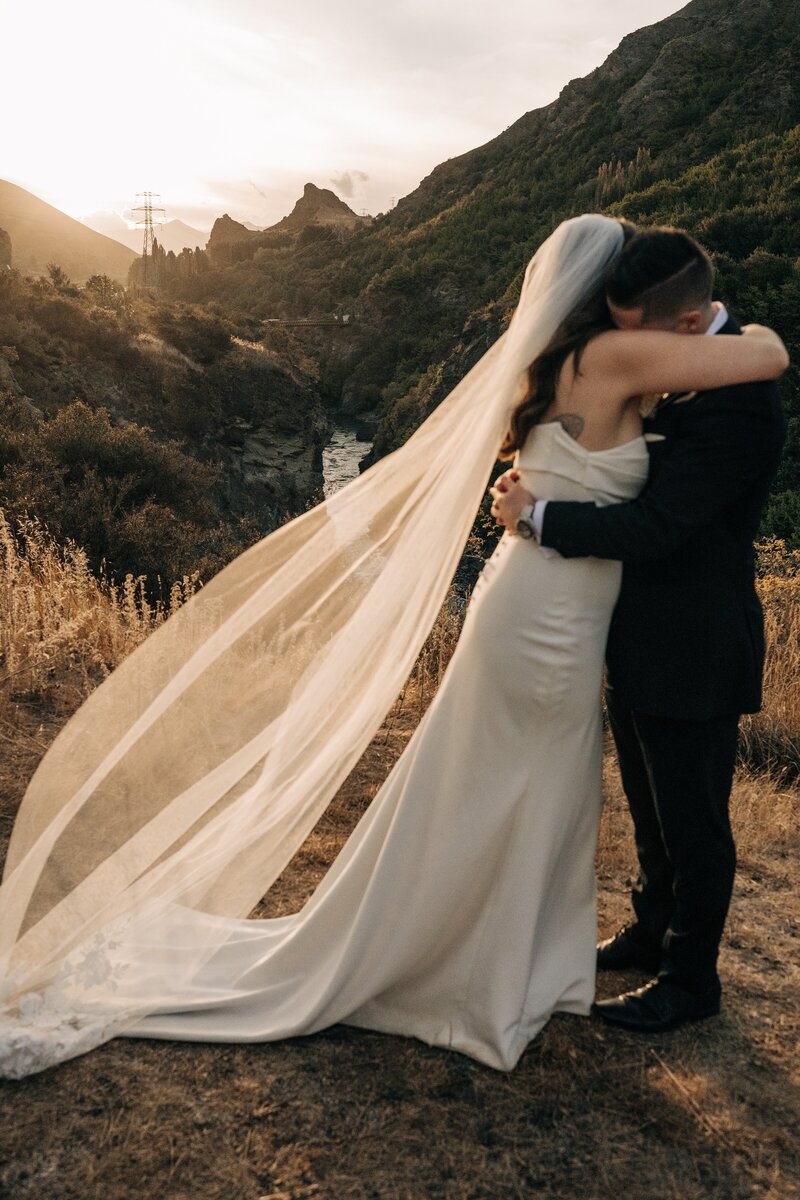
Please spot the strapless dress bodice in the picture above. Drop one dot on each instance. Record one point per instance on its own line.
(555, 467)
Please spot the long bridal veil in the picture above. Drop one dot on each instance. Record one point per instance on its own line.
(190, 777)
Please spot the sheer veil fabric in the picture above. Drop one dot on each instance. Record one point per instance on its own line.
(191, 776)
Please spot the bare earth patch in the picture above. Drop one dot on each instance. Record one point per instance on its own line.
(711, 1110)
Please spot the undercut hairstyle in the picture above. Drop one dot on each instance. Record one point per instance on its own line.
(663, 271)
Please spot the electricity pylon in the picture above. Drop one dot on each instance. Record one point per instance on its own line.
(148, 208)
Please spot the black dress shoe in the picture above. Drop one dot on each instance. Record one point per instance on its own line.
(658, 1005)
(625, 950)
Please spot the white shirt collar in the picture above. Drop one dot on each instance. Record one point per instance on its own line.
(719, 320)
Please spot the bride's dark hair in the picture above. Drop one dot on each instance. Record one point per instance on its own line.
(572, 337)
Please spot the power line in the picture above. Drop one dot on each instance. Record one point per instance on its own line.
(147, 222)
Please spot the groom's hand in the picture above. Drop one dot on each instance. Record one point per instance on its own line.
(509, 497)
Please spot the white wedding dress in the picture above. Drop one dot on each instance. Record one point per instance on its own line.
(461, 910)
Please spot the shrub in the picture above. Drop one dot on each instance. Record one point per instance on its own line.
(202, 336)
(132, 502)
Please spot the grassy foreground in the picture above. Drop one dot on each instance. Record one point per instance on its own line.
(711, 1110)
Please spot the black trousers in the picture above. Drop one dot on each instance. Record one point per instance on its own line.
(677, 777)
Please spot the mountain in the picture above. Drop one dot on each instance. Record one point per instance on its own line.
(225, 230)
(316, 207)
(173, 235)
(692, 120)
(41, 234)
(671, 96)
(177, 235)
(320, 206)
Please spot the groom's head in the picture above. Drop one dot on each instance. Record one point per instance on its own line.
(662, 279)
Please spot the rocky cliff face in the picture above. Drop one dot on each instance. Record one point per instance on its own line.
(269, 445)
(5, 249)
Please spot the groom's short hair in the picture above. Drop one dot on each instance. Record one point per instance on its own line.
(663, 271)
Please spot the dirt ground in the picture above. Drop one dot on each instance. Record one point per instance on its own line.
(710, 1110)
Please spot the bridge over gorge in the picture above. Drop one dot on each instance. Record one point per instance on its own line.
(346, 319)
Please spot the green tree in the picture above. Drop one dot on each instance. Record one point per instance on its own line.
(105, 292)
(60, 280)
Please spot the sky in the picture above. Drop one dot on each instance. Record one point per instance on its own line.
(233, 105)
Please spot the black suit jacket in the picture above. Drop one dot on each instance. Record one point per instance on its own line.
(687, 634)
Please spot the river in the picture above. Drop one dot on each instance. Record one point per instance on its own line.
(341, 456)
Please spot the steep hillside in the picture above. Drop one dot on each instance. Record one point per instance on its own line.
(692, 120)
(41, 234)
(672, 95)
(744, 204)
(160, 437)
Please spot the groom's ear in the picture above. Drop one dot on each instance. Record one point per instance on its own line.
(690, 322)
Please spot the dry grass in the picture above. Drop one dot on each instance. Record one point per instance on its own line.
(709, 1111)
(589, 1113)
(771, 739)
(62, 629)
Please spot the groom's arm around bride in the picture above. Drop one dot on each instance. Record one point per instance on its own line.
(686, 646)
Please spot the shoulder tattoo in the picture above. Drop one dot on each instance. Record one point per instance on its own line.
(572, 423)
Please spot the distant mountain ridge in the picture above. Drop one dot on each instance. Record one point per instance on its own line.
(317, 206)
(41, 233)
(173, 235)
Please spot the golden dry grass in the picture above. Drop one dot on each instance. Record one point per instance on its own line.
(771, 738)
(709, 1111)
(62, 628)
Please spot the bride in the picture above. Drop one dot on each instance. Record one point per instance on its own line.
(461, 910)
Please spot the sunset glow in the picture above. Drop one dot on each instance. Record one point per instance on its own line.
(233, 107)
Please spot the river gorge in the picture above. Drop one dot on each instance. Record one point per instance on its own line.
(343, 453)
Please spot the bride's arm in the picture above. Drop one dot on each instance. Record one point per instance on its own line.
(643, 360)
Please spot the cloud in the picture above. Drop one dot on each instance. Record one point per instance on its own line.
(348, 182)
(256, 188)
(297, 88)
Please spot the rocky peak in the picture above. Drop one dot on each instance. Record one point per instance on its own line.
(319, 206)
(225, 229)
(316, 206)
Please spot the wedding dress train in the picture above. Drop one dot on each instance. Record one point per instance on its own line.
(461, 910)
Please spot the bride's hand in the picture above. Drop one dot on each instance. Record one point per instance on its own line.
(509, 499)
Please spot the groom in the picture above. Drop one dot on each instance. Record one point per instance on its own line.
(686, 645)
